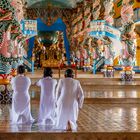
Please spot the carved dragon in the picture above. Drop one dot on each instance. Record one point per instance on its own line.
(128, 34)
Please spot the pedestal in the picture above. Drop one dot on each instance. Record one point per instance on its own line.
(127, 75)
(87, 68)
(108, 73)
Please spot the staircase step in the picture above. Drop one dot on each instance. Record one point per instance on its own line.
(112, 101)
(102, 95)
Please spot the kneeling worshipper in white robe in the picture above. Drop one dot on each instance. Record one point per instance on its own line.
(47, 113)
(70, 99)
(21, 111)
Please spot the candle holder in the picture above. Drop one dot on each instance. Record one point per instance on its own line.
(127, 74)
(108, 71)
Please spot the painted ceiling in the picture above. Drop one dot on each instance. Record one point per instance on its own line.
(54, 3)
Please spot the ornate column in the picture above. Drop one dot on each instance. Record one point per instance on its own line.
(5, 67)
(103, 10)
(108, 51)
(109, 11)
(108, 47)
(96, 7)
(128, 56)
(9, 32)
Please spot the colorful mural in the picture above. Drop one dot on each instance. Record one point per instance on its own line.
(108, 17)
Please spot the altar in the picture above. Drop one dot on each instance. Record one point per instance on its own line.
(52, 56)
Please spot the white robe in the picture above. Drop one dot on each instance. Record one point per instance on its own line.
(21, 111)
(70, 98)
(47, 101)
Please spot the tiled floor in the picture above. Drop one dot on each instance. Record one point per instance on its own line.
(92, 118)
(96, 121)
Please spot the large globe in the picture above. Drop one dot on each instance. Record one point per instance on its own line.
(47, 38)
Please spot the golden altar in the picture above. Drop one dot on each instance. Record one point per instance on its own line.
(53, 63)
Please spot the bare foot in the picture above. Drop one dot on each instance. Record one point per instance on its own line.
(69, 126)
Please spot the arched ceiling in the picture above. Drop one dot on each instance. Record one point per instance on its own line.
(54, 3)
